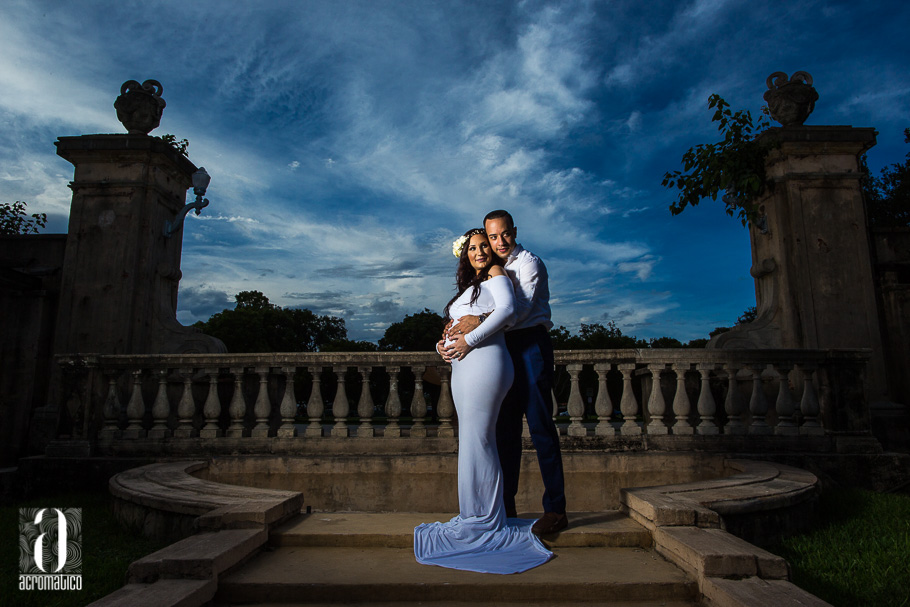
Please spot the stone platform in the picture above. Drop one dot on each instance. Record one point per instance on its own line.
(605, 558)
(667, 546)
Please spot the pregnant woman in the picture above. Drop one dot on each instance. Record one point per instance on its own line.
(480, 538)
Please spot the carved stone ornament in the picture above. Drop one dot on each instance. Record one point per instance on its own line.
(790, 101)
(139, 106)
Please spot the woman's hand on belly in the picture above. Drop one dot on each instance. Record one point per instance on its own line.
(458, 348)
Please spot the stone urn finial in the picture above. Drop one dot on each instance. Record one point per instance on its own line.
(790, 101)
(139, 106)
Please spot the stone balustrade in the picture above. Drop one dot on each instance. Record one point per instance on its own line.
(600, 395)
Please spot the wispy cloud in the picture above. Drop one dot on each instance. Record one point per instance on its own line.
(350, 143)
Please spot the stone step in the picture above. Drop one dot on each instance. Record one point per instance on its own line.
(318, 574)
(610, 529)
(655, 603)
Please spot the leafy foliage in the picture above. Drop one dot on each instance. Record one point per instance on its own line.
(596, 336)
(888, 196)
(748, 315)
(181, 146)
(349, 345)
(415, 333)
(257, 325)
(14, 220)
(733, 167)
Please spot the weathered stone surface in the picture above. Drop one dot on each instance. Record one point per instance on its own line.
(758, 489)
(756, 592)
(201, 556)
(577, 575)
(817, 288)
(139, 106)
(396, 530)
(163, 593)
(714, 552)
(790, 101)
(164, 500)
(124, 190)
(396, 476)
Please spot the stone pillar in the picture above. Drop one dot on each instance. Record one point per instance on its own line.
(118, 286)
(813, 273)
(120, 273)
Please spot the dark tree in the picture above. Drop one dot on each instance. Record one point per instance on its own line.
(257, 325)
(563, 340)
(888, 196)
(597, 337)
(14, 220)
(664, 342)
(254, 300)
(748, 315)
(415, 333)
(732, 168)
(349, 345)
(594, 337)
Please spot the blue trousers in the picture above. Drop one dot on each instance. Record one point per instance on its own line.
(531, 396)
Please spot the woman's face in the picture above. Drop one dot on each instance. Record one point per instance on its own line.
(479, 252)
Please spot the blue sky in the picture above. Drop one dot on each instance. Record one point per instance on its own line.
(350, 142)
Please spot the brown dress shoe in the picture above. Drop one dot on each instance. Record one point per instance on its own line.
(550, 522)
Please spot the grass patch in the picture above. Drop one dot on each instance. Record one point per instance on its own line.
(857, 553)
(107, 551)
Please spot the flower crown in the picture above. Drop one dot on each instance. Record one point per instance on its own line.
(459, 243)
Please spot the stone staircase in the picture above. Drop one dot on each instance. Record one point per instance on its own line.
(249, 546)
(367, 559)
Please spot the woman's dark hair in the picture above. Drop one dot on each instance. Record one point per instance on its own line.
(466, 276)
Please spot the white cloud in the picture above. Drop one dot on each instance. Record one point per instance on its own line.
(349, 146)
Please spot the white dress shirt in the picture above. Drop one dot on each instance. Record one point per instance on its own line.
(532, 290)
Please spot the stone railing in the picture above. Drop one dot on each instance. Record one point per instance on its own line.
(600, 395)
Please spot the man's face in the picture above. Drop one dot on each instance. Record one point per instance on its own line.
(502, 237)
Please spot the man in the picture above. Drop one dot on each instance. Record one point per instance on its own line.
(528, 341)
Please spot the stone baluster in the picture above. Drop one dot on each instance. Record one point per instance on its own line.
(733, 403)
(340, 406)
(262, 408)
(161, 408)
(603, 406)
(682, 407)
(758, 404)
(237, 408)
(809, 406)
(707, 408)
(288, 407)
(365, 405)
(211, 410)
(314, 406)
(393, 404)
(576, 405)
(445, 408)
(628, 404)
(785, 407)
(135, 409)
(186, 408)
(657, 406)
(111, 429)
(418, 404)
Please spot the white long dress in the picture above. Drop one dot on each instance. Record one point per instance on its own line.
(480, 538)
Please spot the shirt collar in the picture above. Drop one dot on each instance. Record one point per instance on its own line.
(515, 251)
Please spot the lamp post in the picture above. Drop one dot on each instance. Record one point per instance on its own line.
(201, 181)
